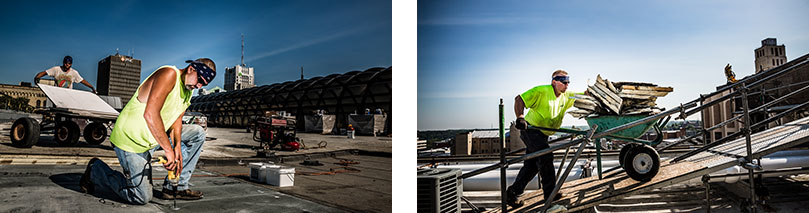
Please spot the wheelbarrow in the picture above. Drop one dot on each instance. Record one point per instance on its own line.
(638, 158)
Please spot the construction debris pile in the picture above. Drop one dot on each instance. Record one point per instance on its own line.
(619, 98)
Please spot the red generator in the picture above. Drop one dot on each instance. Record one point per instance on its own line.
(275, 131)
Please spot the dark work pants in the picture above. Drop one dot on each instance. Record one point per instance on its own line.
(534, 141)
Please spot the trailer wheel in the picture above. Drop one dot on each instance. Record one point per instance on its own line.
(95, 133)
(624, 150)
(67, 133)
(642, 163)
(24, 132)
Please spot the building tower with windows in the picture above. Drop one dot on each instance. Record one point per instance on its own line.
(239, 76)
(769, 55)
(118, 76)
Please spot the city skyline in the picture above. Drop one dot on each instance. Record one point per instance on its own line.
(472, 54)
(280, 37)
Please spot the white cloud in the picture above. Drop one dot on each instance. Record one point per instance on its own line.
(308, 43)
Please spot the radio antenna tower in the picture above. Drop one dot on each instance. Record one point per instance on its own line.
(243, 50)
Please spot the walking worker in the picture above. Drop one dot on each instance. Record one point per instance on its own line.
(64, 75)
(547, 105)
(156, 108)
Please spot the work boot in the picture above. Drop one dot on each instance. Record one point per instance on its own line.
(187, 194)
(512, 199)
(85, 184)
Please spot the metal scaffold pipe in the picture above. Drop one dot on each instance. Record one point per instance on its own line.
(503, 164)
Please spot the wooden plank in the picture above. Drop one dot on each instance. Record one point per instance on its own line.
(586, 104)
(634, 96)
(585, 97)
(650, 88)
(602, 84)
(609, 85)
(592, 190)
(644, 92)
(620, 84)
(596, 92)
(610, 94)
(638, 102)
(579, 113)
(637, 111)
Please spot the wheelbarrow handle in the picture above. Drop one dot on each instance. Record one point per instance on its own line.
(570, 131)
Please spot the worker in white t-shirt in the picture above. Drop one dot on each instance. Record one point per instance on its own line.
(64, 75)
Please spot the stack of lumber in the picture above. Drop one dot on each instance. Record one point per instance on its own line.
(619, 98)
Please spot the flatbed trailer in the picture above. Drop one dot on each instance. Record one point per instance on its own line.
(59, 120)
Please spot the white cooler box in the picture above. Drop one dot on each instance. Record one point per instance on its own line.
(281, 176)
(258, 171)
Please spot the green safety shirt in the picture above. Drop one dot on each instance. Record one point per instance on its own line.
(545, 109)
(131, 133)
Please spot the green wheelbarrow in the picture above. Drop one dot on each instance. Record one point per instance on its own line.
(638, 158)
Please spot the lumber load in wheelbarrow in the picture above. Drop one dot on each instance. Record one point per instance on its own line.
(619, 98)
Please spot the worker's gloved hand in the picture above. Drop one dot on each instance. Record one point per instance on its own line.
(521, 124)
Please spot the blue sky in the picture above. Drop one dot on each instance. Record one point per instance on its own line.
(324, 37)
(470, 53)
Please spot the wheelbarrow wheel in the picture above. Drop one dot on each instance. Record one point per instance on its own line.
(624, 150)
(24, 132)
(642, 162)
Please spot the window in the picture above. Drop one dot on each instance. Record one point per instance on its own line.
(717, 136)
(38, 102)
(773, 62)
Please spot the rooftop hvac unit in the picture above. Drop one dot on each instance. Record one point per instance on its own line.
(439, 190)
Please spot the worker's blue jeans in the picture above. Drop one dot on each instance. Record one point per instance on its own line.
(534, 141)
(135, 184)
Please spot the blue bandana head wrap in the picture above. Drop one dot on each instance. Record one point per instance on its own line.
(204, 72)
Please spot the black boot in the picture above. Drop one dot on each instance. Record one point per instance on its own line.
(512, 199)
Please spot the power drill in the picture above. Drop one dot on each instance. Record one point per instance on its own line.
(174, 180)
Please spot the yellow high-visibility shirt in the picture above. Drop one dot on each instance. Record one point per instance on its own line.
(545, 109)
(131, 133)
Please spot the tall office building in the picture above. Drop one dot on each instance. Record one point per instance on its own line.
(770, 55)
(119, 76)
(238, 77)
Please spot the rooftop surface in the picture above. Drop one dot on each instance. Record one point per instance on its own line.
(50, 173)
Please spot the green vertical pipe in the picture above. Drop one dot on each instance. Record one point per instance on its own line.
(503, 165)
(749, 156)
